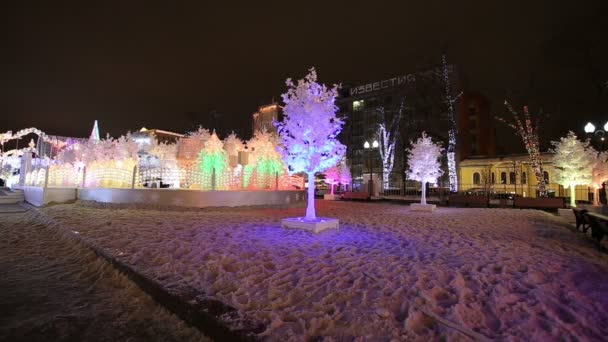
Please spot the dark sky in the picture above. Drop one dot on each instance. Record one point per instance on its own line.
(131, 64)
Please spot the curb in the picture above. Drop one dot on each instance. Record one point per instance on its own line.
(213, 318)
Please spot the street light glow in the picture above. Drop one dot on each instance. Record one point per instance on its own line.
(590, 128)
(366, 144)
(606, 126)
(375, 144)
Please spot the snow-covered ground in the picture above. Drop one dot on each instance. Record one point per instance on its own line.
(388, 273)
(54, 289)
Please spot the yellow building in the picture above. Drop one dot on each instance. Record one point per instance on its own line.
(512, 174)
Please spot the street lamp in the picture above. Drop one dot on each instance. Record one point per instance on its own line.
(366, 146)
(590, 129)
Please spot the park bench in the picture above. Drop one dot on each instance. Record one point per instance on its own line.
(539, 203)
(599, 225)
(468, 200)
(350, 195)
(582, 220)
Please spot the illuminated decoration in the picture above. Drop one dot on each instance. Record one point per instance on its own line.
(267, 162)
(212, 161)
(424, 164)
(589, 128)
(450, 101)
(94, 132)
(573, 161)
(388, 139)
(339, 174)
(309, 131)
(526, 127)
(600, 173)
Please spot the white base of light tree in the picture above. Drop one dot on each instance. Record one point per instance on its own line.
(316, 225)
(330, 197)
(423, 207)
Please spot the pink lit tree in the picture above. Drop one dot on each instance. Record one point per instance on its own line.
(332, 177)
(309, 131)
(424, 164)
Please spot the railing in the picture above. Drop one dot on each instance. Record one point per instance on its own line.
(128, 176)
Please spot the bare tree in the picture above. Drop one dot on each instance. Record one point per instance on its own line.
(387, 136)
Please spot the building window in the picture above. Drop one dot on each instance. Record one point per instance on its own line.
(512, 178)
(358, 105)
(503, 178)
(493, 178)
(524, 178)
(476, 178)
(546, 176)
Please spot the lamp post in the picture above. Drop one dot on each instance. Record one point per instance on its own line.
(366, 145)
(591, 131)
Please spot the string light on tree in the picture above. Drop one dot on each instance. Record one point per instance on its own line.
(526, 127)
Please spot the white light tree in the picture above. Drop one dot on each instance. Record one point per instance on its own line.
(450, 101)
(424, 164)
(345, 176)
(387, 136)
(309, 131)
(600, 173)
(573, 161)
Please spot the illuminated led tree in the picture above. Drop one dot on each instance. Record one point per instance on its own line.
(526, 127)
(267, 161)
(424, 164)
(387, 136)
(212, 161)
(450, 101)
(573, 161)
(332, 177)
(345, 176)
(600, 173)
(309, 131)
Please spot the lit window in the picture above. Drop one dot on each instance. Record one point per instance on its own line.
(476, 178)
(358, 105)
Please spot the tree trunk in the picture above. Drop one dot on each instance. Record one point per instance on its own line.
(332, 188)
(572, 196)
(423, 198)
(310, 207)
(385, 176)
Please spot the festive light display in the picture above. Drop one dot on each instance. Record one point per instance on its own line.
(450, 101)
(213, 160)
(94, 132)
(309, 131)
(573, 161)
(527, 128)
(339, 174)
(388, 140)
(424, 164)
(265, 159)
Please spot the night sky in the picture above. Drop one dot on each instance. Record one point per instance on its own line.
(167, 66)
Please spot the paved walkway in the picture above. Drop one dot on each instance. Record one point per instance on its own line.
(53, 289)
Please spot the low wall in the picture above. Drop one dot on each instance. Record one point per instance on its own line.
(39, 196)
(192, 198)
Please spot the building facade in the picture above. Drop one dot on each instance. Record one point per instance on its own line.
(407, 104)
(265, 116)
(513, 174)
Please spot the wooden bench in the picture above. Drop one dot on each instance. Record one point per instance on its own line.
(599, 225)
(349, 195)
(582, 220)
(468, 200)
(539, 203)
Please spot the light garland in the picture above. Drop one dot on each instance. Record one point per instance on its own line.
(450, 100)
(528, 131)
